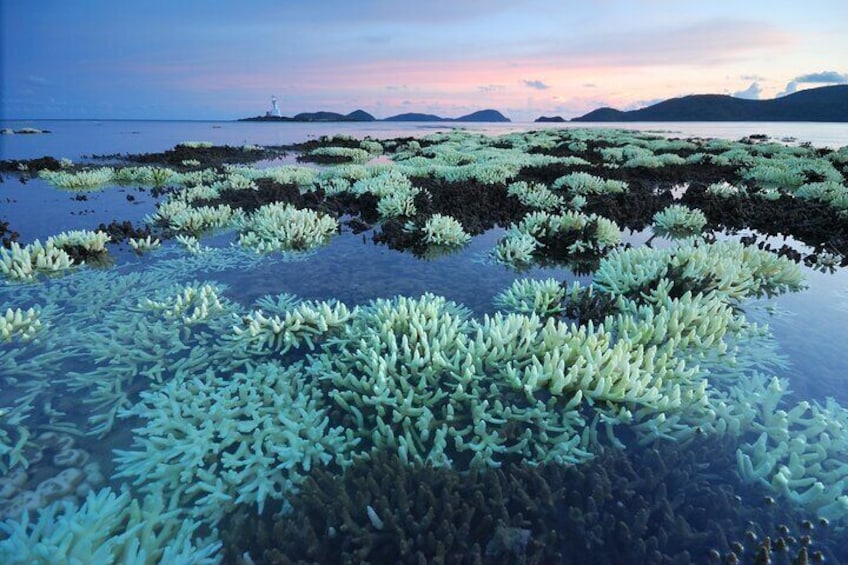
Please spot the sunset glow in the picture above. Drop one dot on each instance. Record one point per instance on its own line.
(219, 60)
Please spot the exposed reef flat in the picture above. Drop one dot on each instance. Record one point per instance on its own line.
(632, 411)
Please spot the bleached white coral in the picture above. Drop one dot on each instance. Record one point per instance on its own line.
(20, 324)
(580, 233)
(531, 296)
(677, 221)
(291, 325)
(397, 204)
(144, 244)
(734, 270)
(516, 248)
(348, 154)
(190, 304)
(800, 453)
(108, 527)
(445, 231)
(91, 241)
(179, 215)
(725, 190)
(585, 183)
(282, 227)
(216, 439)
(25, 263)
(146, 176)
(535, 195)
(90, 179)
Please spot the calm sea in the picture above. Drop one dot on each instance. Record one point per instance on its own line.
(74, 138)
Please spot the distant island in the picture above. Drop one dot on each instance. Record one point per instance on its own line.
(549, 119)
(355, 116)
(824, 104)
(363, 116)
(479, 116)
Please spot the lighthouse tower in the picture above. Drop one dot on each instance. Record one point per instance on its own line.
(275, 110)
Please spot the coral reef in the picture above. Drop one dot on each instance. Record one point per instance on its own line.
(605, 419)
(799, 454)
(17, 324)
(291, 325)
(80, 181)
(278, 227)
(528, 296)
(25, 263)
(678, 221)
(56, 470)
(665, 504)
(107, 528)
(383, 510)
(145, 244)
(557, 237)
(214, 439)
(444, 231)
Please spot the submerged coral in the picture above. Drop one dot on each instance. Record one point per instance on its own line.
(214, 439)
(108, 527)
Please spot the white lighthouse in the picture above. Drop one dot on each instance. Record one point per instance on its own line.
(275, 110)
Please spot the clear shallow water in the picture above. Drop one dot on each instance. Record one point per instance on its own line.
(809, 327)
(74, 138)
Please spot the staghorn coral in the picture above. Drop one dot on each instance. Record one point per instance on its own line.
(147, 176)
(585, 183)
(734, 270)
(678, 221)
(516, 248)
(535, 195)
(529, 296)
(337, 155)
(413, 376)
(108, 527)
(17, 324)
(726, 190)
(190, 304)
(444, 231)
(556, 237)
(291, 324)
(144, 245)
(282, 227)
(426, 515)
(84, 242)
(25, 263)
(80, 181)
(209, 440)
(665, 504)
(180, 216)
(799, 453)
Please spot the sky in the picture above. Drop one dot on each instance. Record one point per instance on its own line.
(192, 59)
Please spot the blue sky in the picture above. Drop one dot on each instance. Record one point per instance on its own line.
(220, 60)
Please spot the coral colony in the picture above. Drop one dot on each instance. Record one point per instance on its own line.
(408, 428)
